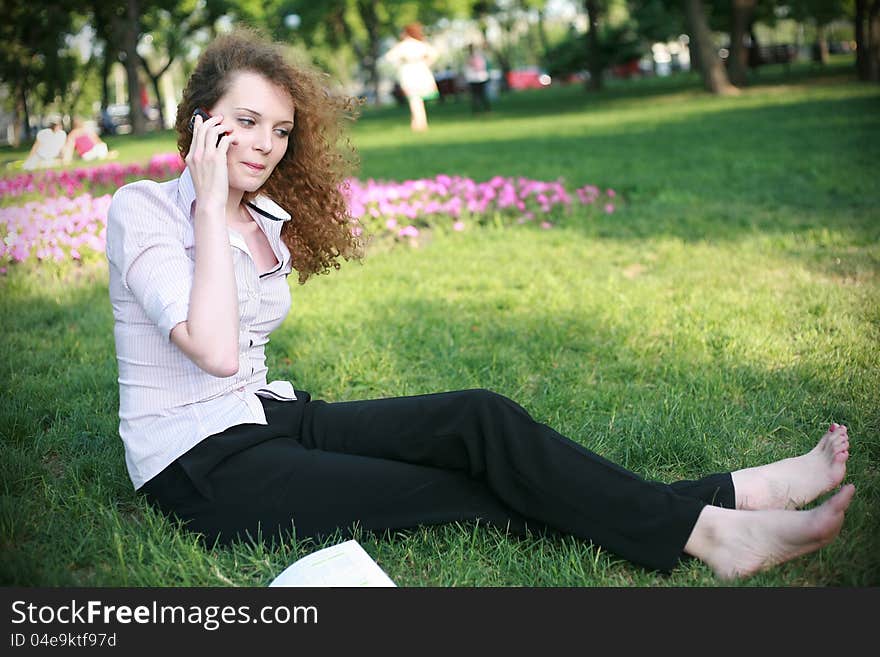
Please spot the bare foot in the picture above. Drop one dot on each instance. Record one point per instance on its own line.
(794, 482)
(741, 543)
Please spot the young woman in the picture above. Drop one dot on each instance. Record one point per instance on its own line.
(413, 57)
(198, 282)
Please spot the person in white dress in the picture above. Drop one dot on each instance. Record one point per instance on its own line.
(413, 57)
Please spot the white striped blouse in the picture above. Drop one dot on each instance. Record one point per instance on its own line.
(167, 404)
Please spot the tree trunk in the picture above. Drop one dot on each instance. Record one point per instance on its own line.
(542, 31)
(159, 104)
(132, 32)
(154, 79)
(694, 54)
(755, 58)
(874, 42)
(103, 30)
(861, 39)
(23, 128)
(78, 86)
(105, 73)
(821, 45)
(367, 11)
(594, 54)
(739, 54)
(714, 75)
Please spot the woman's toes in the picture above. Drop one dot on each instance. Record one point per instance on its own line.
(841, 499)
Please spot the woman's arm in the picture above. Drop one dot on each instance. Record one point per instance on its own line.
(209, 336)
(95, 137)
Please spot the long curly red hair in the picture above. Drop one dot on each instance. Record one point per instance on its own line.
(309, 179)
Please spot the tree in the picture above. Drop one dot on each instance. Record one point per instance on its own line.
(131, 32)
(738, 18)
(504, 15)
(106, 18)
(867, 28)
(34, 59)
(359, 24)
(820, 12)
(171, 27)
(594, 51)
(714, 76)
(740, 27)
(84, 69)
(657, 20)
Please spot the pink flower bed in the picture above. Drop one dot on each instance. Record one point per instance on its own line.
(62, 226)
(69, 182)
(400, 208)
(54, 229)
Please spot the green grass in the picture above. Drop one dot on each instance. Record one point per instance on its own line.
(722, 318)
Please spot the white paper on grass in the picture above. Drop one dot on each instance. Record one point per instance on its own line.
(346, 564)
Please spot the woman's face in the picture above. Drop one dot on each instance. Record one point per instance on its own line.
(261, 116)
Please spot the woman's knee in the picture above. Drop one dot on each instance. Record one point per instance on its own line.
(487, 399)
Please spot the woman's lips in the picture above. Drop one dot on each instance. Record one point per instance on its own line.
(254, 167)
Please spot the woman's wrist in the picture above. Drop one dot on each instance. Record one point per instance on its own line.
(210, 212)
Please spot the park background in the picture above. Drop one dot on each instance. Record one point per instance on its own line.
(674, 265)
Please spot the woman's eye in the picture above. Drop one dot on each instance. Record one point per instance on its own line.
(283, 133)
(246, 121)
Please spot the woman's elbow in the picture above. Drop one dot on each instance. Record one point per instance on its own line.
(216, 360)
(221, 367)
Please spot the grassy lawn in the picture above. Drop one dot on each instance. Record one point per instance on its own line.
(721, 318)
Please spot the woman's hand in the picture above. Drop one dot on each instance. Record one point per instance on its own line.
(206, 161)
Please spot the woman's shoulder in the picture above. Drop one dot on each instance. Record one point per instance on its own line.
(137, 190)
(166, 190)
(147, 200)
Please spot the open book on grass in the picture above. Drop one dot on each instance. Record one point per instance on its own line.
(343, 565)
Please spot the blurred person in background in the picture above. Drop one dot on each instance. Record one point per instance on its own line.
(86, 143)
(476, 73)
(47, 147)
(413, 57)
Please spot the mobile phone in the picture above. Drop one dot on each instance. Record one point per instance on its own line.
(205, 116)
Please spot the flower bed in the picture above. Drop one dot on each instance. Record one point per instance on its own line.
(403, 208)
(102, 178)
(61, 226)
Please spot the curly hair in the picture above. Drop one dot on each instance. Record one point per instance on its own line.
(308, 181)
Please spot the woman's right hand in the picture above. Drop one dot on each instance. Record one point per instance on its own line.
(206, 161)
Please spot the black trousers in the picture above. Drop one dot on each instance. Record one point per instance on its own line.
(319, 467)
(479, 96)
